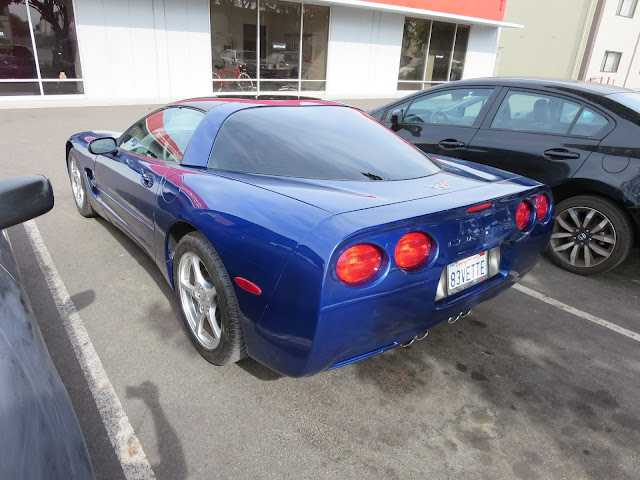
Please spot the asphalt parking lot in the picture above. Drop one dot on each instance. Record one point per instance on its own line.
(522, 388)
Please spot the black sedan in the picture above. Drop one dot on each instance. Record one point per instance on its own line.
(40, 437)
(580, 138)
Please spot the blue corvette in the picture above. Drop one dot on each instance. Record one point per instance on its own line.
(304, 233)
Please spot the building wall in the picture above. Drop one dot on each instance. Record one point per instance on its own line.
(481, 51)
(364, 51)
(553, 39)
(144, 49)
(618, 34)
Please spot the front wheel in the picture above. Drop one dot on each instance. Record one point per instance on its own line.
(79, 186)
(209, 307)
(245, 83)
(590, 235)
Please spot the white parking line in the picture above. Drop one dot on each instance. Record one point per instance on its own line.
(587, 316)
(123, 439)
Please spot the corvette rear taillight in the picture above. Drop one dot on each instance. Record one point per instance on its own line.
(412, 250)
(523, 215)
(358, 264)
(542, 207)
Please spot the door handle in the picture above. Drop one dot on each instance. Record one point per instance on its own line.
(147, 180)
(560, 154)
(451, 143)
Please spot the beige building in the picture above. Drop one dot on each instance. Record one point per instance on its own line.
(595, 40)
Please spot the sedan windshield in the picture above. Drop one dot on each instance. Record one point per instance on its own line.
(322, 142)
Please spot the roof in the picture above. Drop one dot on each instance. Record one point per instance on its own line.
(564, 84)
(208, 103)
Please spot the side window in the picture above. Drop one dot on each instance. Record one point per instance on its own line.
(164, 134)
(535, 112)
(589, 123)
(451, 107)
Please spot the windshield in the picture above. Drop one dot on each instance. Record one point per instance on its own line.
(630, 100)
(322, 142)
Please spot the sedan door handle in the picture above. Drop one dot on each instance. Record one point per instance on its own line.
(560, 154)
(450, 143)
(147, 180)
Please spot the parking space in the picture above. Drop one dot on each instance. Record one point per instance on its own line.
(519, 389)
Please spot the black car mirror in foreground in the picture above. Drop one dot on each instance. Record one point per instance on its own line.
(102, 146)
(24, 198)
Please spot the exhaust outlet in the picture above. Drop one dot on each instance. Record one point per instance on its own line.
(459, 316)
(420, 336)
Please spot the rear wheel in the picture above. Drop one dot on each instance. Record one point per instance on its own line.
(79, 186)
(207, 300)
(217, 82)
(590, 235)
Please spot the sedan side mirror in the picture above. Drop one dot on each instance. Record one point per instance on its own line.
(395, 116)
(101, 146)
(24, 198)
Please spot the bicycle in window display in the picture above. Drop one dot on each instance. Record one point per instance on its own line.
(227, 76)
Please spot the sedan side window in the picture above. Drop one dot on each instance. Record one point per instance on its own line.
(451, 107)
(589, 123)
(535, 112)
(164, 134)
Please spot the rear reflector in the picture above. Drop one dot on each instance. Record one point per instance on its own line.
(479, 208)
(412, 250)
(523, 215)
(248, 286)
(358, 264)
(542, 207)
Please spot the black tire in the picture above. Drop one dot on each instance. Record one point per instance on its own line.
(230, 346)
(606, 248)
(79, 189)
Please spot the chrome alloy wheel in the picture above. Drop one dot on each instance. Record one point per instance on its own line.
(199, 301)
(76, 183)
(583, 237)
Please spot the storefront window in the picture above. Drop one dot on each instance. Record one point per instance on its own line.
(291, 48)
(51, 66)
(432, 52)
(234, 45)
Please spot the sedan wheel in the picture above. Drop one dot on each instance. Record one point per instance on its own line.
(208, 302)
(590, 235)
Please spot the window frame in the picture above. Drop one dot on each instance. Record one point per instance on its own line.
(604, 61)
(497, 103)
(632, 10)
(120, 139)
(479, 120)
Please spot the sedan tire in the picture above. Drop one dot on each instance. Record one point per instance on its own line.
(591, 235)
(208, 302)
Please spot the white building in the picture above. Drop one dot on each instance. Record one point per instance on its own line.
(154, 50)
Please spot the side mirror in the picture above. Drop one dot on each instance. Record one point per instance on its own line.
(100, 146)
(24, 198)
(395, 116)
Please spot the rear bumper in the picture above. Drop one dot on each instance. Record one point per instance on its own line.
(353, 330)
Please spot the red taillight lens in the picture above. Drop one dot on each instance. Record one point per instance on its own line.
(412, 250)
(358, 264)
(542, 207)
(523, 215)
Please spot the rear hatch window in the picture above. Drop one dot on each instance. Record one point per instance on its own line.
(319, 142)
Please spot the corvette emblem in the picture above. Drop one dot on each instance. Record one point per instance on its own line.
(439, 186)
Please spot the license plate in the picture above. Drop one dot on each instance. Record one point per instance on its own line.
(466, 272)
